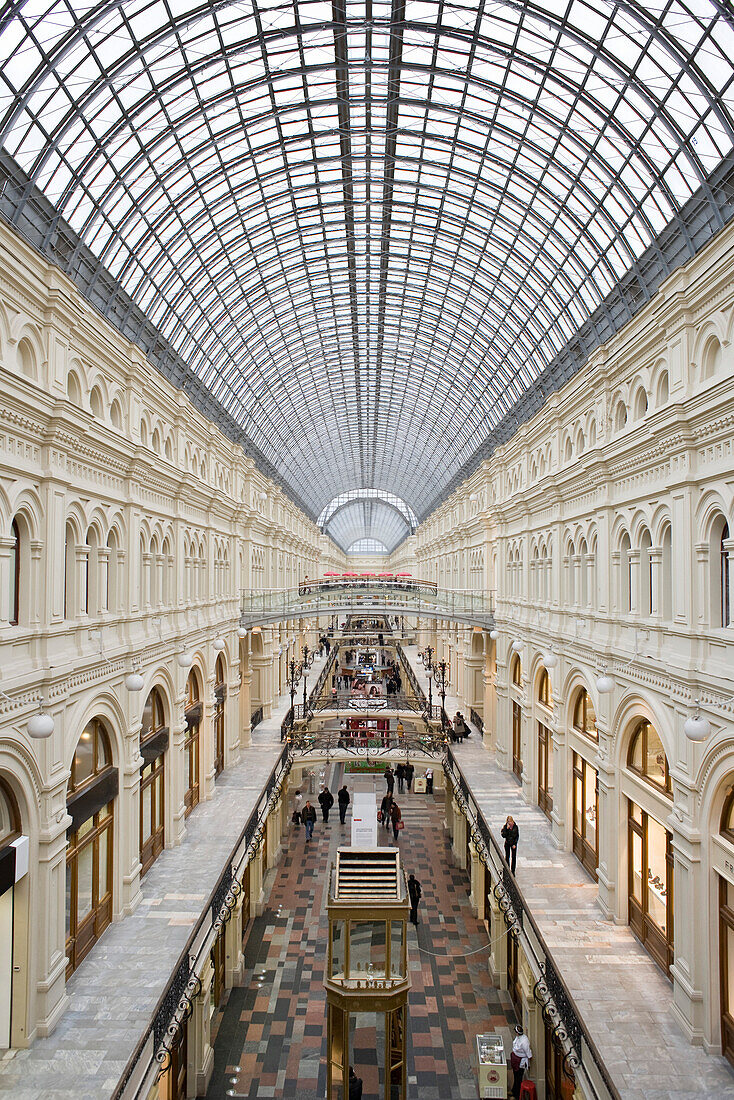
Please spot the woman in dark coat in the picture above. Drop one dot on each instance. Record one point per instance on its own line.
(395, 817)
(510, 835)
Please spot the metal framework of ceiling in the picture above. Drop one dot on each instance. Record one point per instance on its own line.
(367, 237)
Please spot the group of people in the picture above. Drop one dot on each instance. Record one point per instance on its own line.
(306, 814)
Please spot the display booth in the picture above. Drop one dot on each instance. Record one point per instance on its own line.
(367, 980)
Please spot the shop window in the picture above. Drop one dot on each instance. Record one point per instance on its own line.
(545, 769)
(584, 716)
(647, 757)
(220, 694)
(14, 578)
(9, 815)
(153, 745)
(516, 671)
(192, 748)
(545, 693)
(585, 814)
(89, 859)
(517, 739)
(651, 885)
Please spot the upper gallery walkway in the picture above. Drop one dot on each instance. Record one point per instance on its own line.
(370, 597)
(623, 998)
(114, 992)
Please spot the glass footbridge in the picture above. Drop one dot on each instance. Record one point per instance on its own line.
(372, 597)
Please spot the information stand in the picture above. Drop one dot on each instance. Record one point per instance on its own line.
(492, 1067)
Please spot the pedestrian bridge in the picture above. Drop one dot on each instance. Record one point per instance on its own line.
(371, 598)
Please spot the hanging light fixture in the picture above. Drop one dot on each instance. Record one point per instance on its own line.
(241, 631)
(517, 645)
(185, 658)
(697, 727)
(605, 683)
(41, 725)
(134, 681)
(550, 659)
(494, 635)
(219, 644)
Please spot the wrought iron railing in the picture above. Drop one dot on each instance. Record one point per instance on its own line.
(326, 671)
(367, 743)
(176, 1001)
(477, 720)
(256, 717)
(558, 1007)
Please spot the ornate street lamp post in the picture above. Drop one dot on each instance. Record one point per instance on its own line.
(441, 680)
(428, 665)
(293, 675)
(307, 662)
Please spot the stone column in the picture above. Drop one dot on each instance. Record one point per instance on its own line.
(655, 554)
(458, 839)
(234, 959)
(690, 966)
(503, 727)
(729, 548)
(634, 582)
(608, 830)
(177, 766)
(476, 892)
(128, 807)
(701, 597)
(48, 931)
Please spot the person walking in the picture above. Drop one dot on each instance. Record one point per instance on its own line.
(297, 803)
(429, 780)
(343, 799)
(414, 892)
(385, 806)
(326, 801)
(409, 772)
(400, 776)
(519, 1059)
(510, 835)
(390, 779)
(308, 815)
(397, 820)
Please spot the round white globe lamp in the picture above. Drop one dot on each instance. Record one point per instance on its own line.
(134, 681)
(185, 658)
(41, 725)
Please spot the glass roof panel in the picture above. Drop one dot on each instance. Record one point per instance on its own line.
(367, 231)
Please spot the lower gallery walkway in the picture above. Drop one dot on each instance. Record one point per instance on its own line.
(271, 1038)
(624, 999)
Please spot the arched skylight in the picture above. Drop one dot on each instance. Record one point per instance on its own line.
(367, 546)
(367, 239)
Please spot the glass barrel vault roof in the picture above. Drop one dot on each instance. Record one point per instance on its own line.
(368, 228)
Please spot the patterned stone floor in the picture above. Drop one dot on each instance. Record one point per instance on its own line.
(271, 1037)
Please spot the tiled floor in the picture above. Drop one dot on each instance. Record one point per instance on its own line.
(271, 1039)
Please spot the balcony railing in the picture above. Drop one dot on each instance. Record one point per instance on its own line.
(458, 605)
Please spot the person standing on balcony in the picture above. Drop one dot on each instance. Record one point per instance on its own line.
(510, 834)
(343, 799)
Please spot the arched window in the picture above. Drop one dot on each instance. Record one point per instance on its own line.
(584, 715)
(220, 694)
(70, 607)
(725, 577)
(73, 389)
(9, 815)
(545, 693)
(620, 417)
(647, 757)
(14, 578)
(625, 576)
(640, 404)
(663, 392)
(666, 578)
(95, 403)
(516, 670)
(193, 713)
(153, 745)
(116, 415)
(90, 802)
(726, 937)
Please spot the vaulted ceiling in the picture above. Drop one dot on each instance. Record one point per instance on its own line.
(369, 237)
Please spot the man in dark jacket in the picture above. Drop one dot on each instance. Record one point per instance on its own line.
(414, 892)
(390, 779)
(343, 799)
(355, 1085)
(326, 801)
(308, 816)
(400, 776)
(409, 770)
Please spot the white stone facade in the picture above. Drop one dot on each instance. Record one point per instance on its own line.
(604, 528)
(138, 524)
